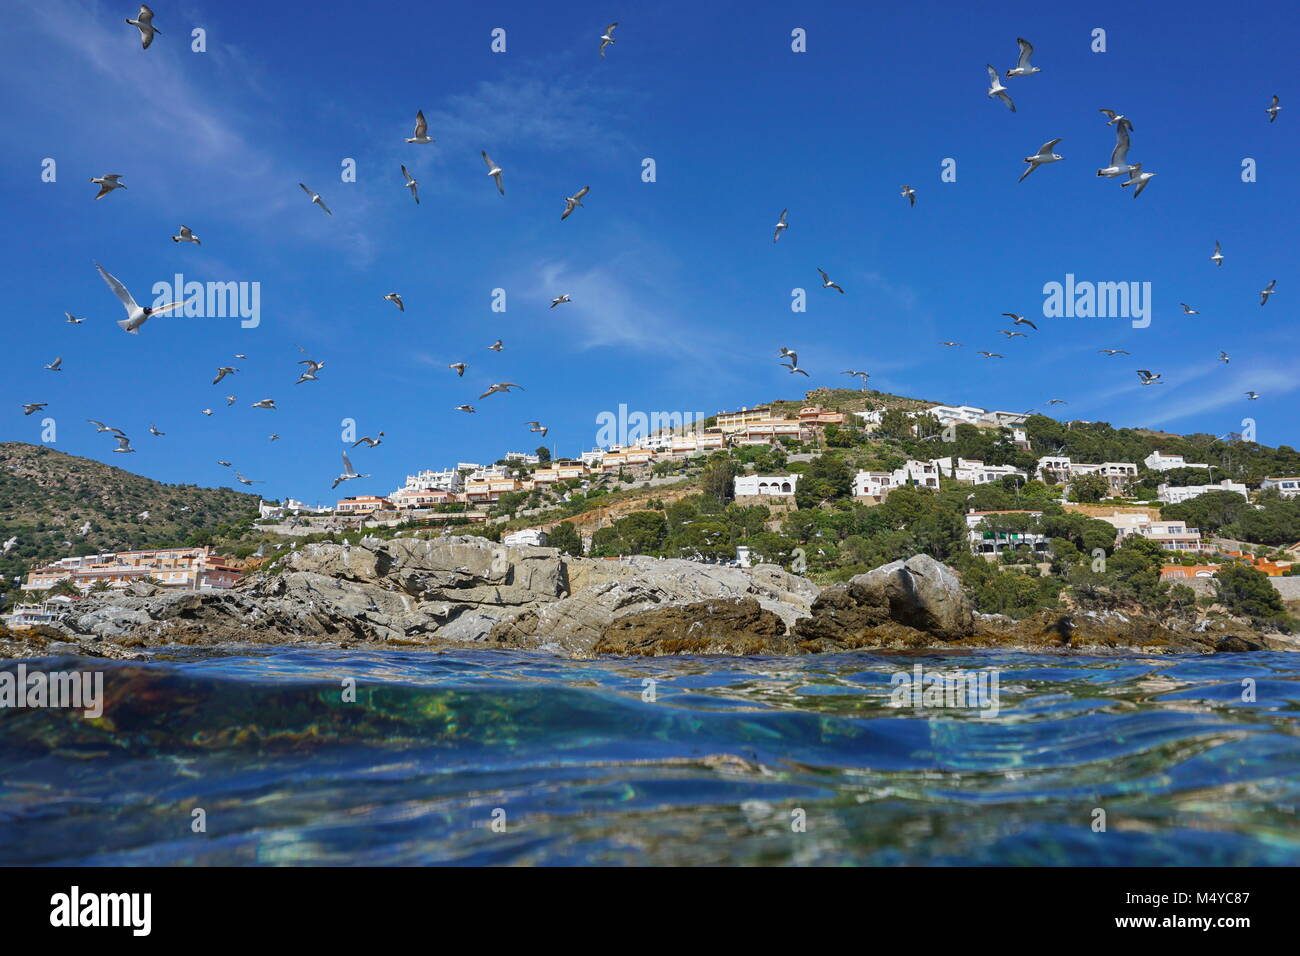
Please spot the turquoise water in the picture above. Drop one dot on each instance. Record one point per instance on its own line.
(718, 769)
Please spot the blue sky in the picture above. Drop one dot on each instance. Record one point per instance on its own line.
(680, 298)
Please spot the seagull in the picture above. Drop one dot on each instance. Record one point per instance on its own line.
(1149, 378)
(143, 515)
(992, 355)
(1022, 67)
(123, 445)
(1272, 109)
(559, 299)
(1112, 352)
(537, 427)
(412, 184)
(496, 346)
(348, 472)
(1223, 357)
(187, 236)
(1252, 395)
(1044, 155)
(246, 481)
(223, 463)
(861, 375)
(1188, 310)
(1057, 401)
(827, 283)
(459, 367)
(153, 430)
(951, 344)
(1116, 119)
(500, 387)
(230, 400)
(223, 371)
(909, 193)
(264, 403)
(144, 23)
(72, 319)
(101, 427)
(997, 89)
(1012, 335)
(136, 315)
(206, 411)
(307, 376)
(315, 197)
(396, 299)
(312, 364)
(54, 366)
(1217, 258)
(421, 136)
(107, 184)
(1020, 320)
(1138, 178)
(239, 356)
(369, 442)
(781, 224)
(30, 407)
(84, 529)
(465, 408)
(493, 170)
(573, 202)
(791, 354)
(607, 38)
(272, 437)
(794, 368)
(1266, 292)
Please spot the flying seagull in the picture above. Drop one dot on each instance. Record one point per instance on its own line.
(1020, 320)
(789, 353)
(223, 371)
(827, 283)
(1223, 357)
(860, 375)
(144, 23)
(123, 445)
(1217, 258)
(909, 194)
(421, 136)
(992, 355)
(1188, 310)
(223, 463)
(496, 346)
(1112, 352)
(537, 427)
(493, 170)
(412, 184)
(1266, 292)
(1022, 67)
(396, 299)
(348, 474)
(264, 403)
(230, 400)
(1012, 335)
(607, 38)
(30, 407)
(101, 427)
(246, 481)
(107, 184)
(951, 344)
(153, 430)
(500, 387)
(794, 368)
(1043, 156)
(1057, 401)
(315, 197)
(1271, 111)
(997, 89)
(1138, 178)
(459, 367)
(54, 366)
(136, 315)
(206, 411)
(559, 299)
(1149, 378)
(72, 319)
(465, 408)
(1252, 395)
(187, 236)
(369, 442)
(573, 202)
(1119, 155)
(1116, 119)
(781, 225)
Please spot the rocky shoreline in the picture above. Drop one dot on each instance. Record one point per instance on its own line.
(442, 592)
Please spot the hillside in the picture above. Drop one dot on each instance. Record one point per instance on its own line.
(46, 497)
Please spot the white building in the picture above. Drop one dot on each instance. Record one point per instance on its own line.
(957, 414)
(1289, 487)
(449, 480)
(872, 484)
(1055, 469)
(975, 472)
(871, 417)
(522, 458)
(1172, 496)
(991, 543)
(779, 485)
(923, 474)
(534, 537)
(1159, 461)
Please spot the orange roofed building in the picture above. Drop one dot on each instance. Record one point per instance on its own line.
(185, 569)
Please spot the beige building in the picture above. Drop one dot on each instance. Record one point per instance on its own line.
(186, 569)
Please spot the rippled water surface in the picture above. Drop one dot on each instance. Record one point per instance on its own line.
(714, 770)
